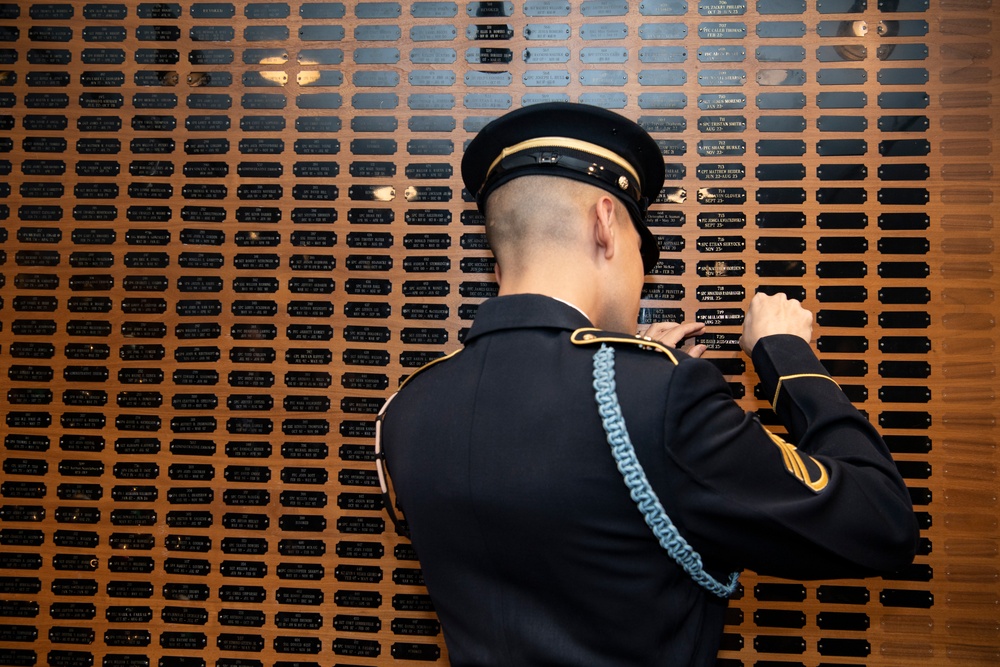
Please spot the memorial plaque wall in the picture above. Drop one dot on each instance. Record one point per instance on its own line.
(230, 229)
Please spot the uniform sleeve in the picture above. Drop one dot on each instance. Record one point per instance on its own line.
(830, 505)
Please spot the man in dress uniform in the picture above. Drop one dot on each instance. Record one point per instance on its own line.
(579, 495)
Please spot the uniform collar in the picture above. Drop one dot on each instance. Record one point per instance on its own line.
(521, 311)
(574, 306)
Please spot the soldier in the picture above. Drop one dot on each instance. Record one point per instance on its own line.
(580, 495)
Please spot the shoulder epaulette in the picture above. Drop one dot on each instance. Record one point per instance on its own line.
(591, 336)
(426, 366)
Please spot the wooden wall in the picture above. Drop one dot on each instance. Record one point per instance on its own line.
(230, 229)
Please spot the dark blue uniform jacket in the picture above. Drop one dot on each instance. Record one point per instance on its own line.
(531, 548)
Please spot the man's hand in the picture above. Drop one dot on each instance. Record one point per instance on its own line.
(672, 333)
(777, 314)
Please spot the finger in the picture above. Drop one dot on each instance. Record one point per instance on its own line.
(696, 350)
(676, 333)
(658, 328)
(744, 345)
(663, 328)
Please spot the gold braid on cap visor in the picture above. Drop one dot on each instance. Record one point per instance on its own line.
(554, 143)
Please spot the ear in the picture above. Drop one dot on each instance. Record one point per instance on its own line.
(605, 225)
(496, 270)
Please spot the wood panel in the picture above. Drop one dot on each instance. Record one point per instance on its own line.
(231, 229)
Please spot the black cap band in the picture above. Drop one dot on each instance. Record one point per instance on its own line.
(608, 175)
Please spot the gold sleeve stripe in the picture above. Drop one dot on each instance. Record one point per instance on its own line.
(797, 467)
(777, 390)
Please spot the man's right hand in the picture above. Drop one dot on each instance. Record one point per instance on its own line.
(777, 314)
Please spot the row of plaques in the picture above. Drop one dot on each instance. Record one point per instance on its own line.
(714, 196)
(490, 32)
(711, 196)
(727, 123)
(262, 261)
(900, 147)
(377, 310)
(409, 335)
(658, 219)
(665, 78)
(592, 55)
(718, 220)
(43, 11)
(142, 445)
(735, 171)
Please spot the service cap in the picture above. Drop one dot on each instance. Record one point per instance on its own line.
(577, 141)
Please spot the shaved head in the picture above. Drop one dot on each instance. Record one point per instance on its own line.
(570, 240)
(531, 216)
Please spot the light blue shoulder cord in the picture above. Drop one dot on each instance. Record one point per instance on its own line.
(635, 479)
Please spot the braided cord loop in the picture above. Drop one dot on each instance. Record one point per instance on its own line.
(639, 487)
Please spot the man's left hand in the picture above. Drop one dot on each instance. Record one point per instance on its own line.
(672, 333)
